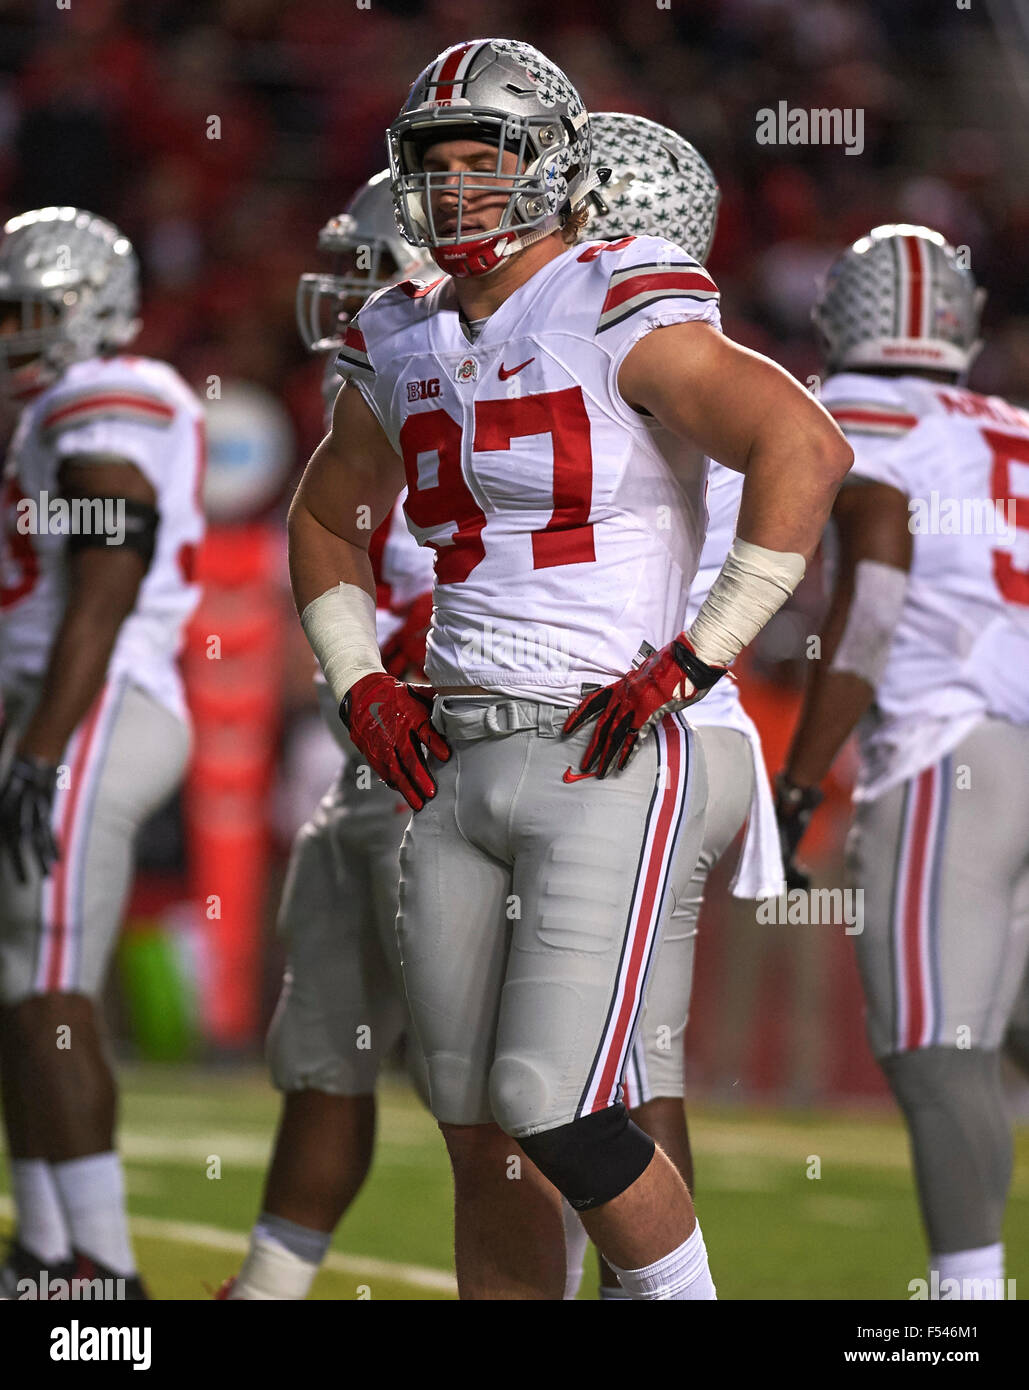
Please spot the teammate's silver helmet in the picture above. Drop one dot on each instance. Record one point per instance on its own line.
(75, 279)
(899, 298)
(659, 185)
(506, 94)
(366, 231)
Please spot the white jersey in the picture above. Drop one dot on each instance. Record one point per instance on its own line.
(759, 873)
(961, 648)
(562, 540)
(121, 407)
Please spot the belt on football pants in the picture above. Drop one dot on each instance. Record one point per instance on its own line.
(482, 716)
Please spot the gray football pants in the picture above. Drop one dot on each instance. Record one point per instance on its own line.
(531, 908)
(121, 764)
(342, 1006)
(943, 861)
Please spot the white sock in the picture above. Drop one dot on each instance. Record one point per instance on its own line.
(40, 1225)
(92, 1193)
(682, 1274)
(576, 1241)
(270, 1271)
(984, 1265)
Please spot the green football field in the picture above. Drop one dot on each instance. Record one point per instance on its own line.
(773, 1231)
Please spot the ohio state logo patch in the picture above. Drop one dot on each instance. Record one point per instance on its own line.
(468, 370)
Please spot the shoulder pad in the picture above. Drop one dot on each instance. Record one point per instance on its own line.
(639, 271)
(869, 406)
(118, 395)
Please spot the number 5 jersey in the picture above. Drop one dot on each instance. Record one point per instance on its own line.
(960, 651)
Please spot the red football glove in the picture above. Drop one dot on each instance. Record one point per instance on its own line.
(667, 680)
(405, 650)
(389, 722)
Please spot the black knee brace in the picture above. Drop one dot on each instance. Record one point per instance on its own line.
(593, 1159)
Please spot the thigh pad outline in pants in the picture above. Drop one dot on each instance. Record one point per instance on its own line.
(341, 1009)
(57, 933)
(657, 1064)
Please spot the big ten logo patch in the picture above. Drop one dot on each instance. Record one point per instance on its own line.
(423, 390)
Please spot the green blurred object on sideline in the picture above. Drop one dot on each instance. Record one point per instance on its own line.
(159, 993)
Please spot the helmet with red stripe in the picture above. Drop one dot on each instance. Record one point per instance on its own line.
(69, 289)
(659, 185)
(899, 297)
(507, 95)
(369, 254)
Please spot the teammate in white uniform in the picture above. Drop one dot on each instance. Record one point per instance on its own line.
(537, 878)
(660, 184)
(342, 1006)
(926, 642)
(99, 528)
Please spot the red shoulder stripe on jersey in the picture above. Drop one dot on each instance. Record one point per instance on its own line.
(879, 418)
(354, 338)
(109, 403)
(674, 278)
(418, 289)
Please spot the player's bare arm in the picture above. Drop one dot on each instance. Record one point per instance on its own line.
(875, 546)
(872, 529)
(348, 488)
(351, 482)
(750, 415)
(103, 581)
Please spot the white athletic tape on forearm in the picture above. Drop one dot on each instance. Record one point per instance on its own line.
(753, 584)
(340, 626)
(874, 613)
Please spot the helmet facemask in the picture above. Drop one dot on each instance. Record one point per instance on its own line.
(326, 302)
(536, 187)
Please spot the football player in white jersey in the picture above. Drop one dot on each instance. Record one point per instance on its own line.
(660, 185)
(924, 649)
(517, 395)
(100, 523)
(342, 1007)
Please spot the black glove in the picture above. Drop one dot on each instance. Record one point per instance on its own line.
(794, 807)
(26, 802)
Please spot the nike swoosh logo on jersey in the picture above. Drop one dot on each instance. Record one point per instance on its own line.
(571, 776)
(505, 372)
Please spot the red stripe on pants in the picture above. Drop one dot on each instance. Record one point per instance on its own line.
(917, 858)
(651, 883)
(59, 935)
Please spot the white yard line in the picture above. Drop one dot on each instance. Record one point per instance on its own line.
(217, 1238)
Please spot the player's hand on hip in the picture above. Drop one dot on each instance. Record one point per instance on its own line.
(794, 807)
(667, 681)
(389, 723)
(26, 805)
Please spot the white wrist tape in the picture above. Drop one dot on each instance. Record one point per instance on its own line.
(753, 584)
(340, 626)
(874, 612)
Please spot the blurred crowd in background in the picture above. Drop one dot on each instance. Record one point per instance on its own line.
(109, 105)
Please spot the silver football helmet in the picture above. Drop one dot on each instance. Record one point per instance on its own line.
(72, 281)
(899, 298)
(506, 94)
(371, 254)
(658, 186)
